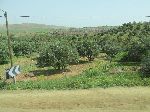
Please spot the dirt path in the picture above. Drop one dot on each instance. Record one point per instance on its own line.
(93, 100)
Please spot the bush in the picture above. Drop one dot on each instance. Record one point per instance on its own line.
(4, 55)
(111, 49)
(135, 53)
(146, 65)
(22, 48)
(89, 49)
(58, 55)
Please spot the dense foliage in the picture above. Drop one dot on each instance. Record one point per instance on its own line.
(88, 49)
(58, 55)
(146, 65)
(58, 48)
(22, 48)
(4, 56)
(132, 38)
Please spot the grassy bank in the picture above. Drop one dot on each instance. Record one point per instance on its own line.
(104, 75)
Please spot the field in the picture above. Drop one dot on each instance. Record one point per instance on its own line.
(74, 56)
(78, 70)
(92, 100)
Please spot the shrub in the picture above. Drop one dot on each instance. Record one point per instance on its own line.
(57, 55)
(89, 49)
(146, 65)
(135, 53)
(4, 56)
(22, 48)
(111, 48)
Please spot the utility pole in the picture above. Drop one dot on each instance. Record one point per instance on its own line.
(9, 40)
(10, 49)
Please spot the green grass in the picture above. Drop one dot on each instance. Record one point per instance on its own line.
(104, 75)
(27, 65)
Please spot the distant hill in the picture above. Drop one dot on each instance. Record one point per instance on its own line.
(30, 27)
(33, 27)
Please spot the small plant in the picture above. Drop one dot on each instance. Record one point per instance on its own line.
(119, 57)
(41, 77)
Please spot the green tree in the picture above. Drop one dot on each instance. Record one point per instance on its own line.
(88, 48)
(4, 56)
(145, 65)
(58, 55)
(22, 48)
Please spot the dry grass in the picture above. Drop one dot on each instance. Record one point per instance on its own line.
(93, 100)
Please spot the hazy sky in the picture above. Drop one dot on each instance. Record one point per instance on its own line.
(76, 13)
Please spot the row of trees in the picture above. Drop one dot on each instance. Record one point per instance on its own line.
(54, 51)
(60, 53)
(129, 42)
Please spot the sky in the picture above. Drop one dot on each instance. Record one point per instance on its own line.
(76, 13)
